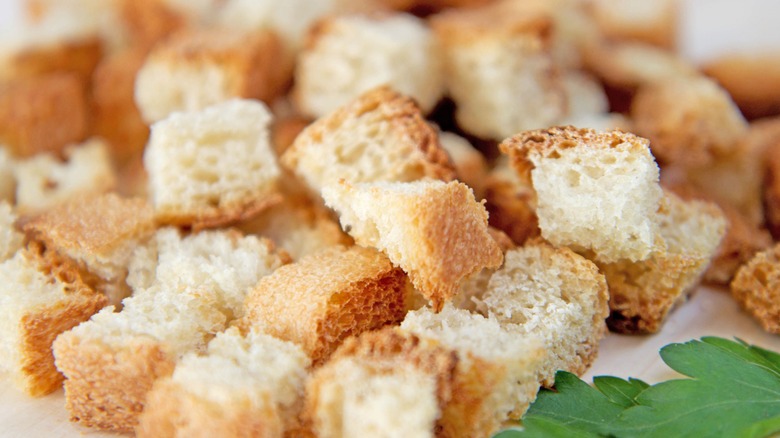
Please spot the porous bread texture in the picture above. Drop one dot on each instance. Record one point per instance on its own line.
(347, 55)
(38, 302)
(496, 375)
(96, 234)
(326, 297)
(756, 286)
(595, 191)
(114, 114)
(299, 227)
(379, 136)
(42, 114)
(241, 386)
(213, 166)
(185, 290)
(642, 293)
(637, 20)
(554, 295)
(353, 398)
(511, 202)
(44, 181)
(689, 120)
(436, 232)
(290, 19)
(470, 165)
(195, 69)
(629, 65)
(499, 70)
(11, 239)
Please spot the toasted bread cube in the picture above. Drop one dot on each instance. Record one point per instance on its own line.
(326, 297)
(115, 116)
(185, 291)
(585, 96)
(299, 227)
(689, 120)
(98, 234)
(38, 302)
(499, 69)
(333, 69)
(241, 386)
(496, 375)
(42, 114)
(147, 22)
(511, 203)
(755, 286)
(7, 178)
(435, 231)
(61, 42)
(751, 79)
(99, 17)
(643, 293)
(383, 383)
(380, 136)
(628, 65)
(637, 20)
(595, 191)
(196, 69)
(44, 181)
(213, 166)
(555, 295)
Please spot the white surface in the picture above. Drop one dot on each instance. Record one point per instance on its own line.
(710, 312)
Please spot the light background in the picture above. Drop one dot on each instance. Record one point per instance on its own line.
(709, 27)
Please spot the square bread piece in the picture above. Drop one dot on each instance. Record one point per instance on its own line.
(214, 166)
(38, 302)
(643, 293)
(499, 68)
(381, 383)
(241, 386)
(756, 287)
(555, 295)
(185, 290)
(326, 297)
(436, 232)
(347, 55)
(595, 191)
(496, 375)
(44, 181)
(379, 136)
(42, 114)
(96, 234)
(194, 69)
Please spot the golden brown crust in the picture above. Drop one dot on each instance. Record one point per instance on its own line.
(285, 130)
(106, 389)
(42, 114)
(658, 28)
(756, 287)
(624, 65)
(78, 56)
(150, 21)
(772, 190)
(219, 216)
(495, 20)
(327, 297)
(752, 80)
(115, 116)
(170, 411)
(510, 209)
(404, 115)
(527, 146)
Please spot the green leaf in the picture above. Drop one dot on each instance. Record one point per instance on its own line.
(732, 390)
(619, 391)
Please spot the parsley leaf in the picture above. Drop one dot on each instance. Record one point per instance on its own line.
(732, 390)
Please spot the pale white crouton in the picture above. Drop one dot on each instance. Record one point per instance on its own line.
(348, 55)
(595, 191)
(212, 166)
(11, 239)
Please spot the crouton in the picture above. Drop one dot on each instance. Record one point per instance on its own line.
(643, 293)
(755, 286)
(648, 22)
(333, 69)
(435, 231)
(212, 167)
(326, 297)
(380, 136)
(595, 191)
(241, 386)
(195, 69)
